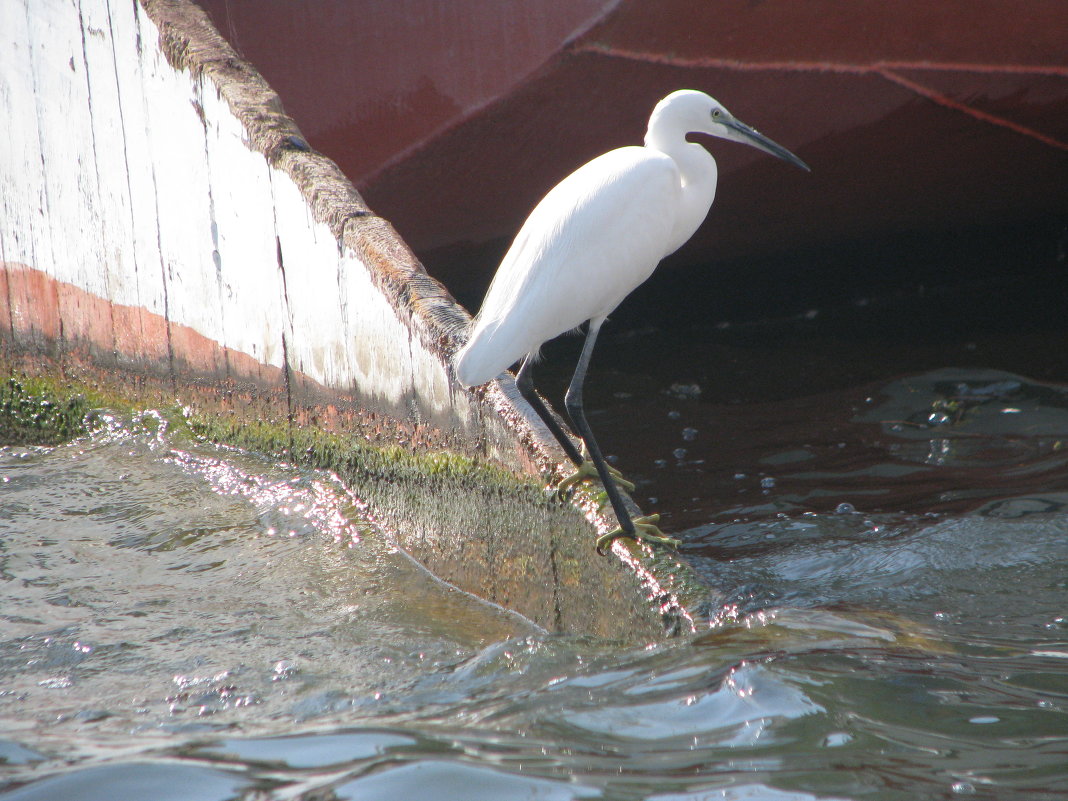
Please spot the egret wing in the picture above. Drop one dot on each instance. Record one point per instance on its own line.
(595, 237)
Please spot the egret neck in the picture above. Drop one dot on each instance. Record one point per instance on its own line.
(697, 170)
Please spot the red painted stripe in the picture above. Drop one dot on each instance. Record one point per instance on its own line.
(884, 69)
(948, 102)
(1057, 70)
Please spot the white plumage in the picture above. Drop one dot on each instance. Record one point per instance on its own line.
(581, 251)
(596, 236)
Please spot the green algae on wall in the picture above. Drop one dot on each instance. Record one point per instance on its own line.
(350, 455)
(36, 410)
(32, 412)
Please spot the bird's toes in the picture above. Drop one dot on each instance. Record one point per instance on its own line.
(584, 471)
(622, 483)
(645, 528)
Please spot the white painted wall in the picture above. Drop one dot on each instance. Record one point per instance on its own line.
(135, 182)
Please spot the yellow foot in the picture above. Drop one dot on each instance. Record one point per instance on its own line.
(645, 528)
(588, 470)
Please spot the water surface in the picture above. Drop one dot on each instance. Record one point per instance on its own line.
(179, 620)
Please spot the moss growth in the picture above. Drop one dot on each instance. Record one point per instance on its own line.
(44, 410)
(349, 457)
(47, 411)
(33, 413)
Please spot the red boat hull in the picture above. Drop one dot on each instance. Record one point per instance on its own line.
(914, 117)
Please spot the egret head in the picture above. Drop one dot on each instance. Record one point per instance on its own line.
(696, 112)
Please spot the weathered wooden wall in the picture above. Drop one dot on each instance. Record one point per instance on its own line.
(166, 232)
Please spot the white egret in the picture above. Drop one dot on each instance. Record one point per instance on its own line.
(596, 236)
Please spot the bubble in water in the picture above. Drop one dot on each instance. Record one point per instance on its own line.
(284, 669)
(679, 453)
(937, 418)
(963, 788)
(845, 508)
(767, 482)
(686, 391)
(673, 415)
(836, 739)
(689, 434)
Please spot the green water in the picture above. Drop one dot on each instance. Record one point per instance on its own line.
(188, 622)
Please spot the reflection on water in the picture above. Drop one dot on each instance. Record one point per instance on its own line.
(889, 569)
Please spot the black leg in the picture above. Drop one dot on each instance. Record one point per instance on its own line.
(524, 380)
(638, 528)
(573, 404)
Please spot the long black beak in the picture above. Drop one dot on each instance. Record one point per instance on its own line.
(753, 137)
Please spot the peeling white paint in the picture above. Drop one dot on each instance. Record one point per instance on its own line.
(243, 226)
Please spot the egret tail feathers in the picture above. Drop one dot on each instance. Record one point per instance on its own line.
(479, 361)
